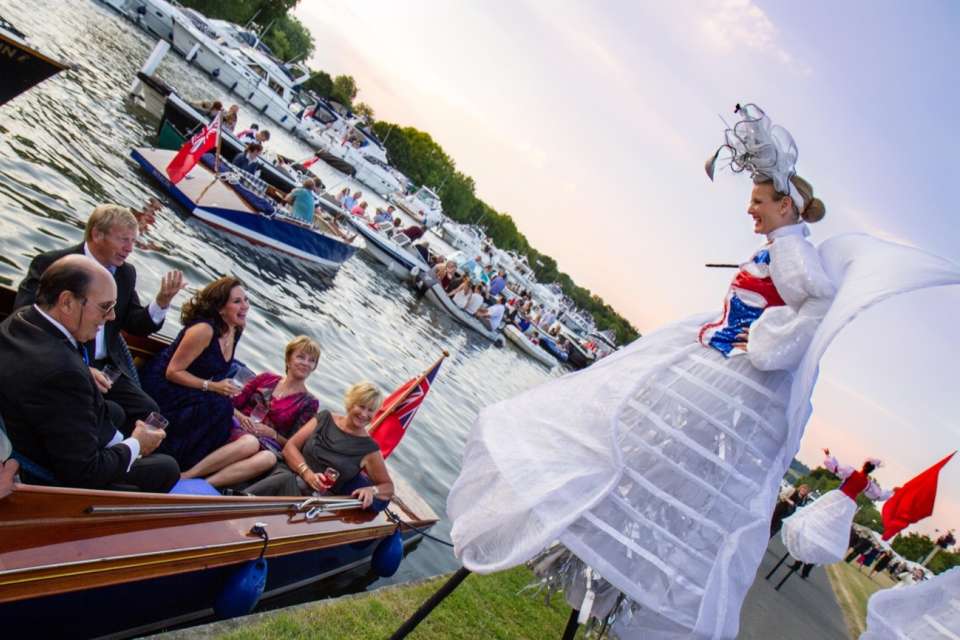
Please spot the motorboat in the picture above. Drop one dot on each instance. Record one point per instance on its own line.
(423, 205)
(93, 563)
(526, 345)
(354, 144)
(235, 203)
(436, 295)
(21, 66)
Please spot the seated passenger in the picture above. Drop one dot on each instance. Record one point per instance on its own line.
(254, 447)
(230, 117)
(414, 231)
(476, 299)
(461, 295)
(303, 201)
(248, 135)
(54, 413)
(492, 315)
(382, 216)
(444, 273)
(360, 210)
(249, 160)
(110, 238)
(337, 442)
(188, 379)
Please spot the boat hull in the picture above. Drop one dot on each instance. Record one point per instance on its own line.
(22, 67)
(515, 336)
(389, 253)
(142, 607)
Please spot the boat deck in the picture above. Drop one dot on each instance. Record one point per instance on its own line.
(200, 185)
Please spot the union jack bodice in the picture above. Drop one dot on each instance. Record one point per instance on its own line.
(751, 291)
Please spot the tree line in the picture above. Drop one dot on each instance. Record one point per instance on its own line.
(413, 152)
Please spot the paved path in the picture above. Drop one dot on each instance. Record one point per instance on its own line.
(801, 610)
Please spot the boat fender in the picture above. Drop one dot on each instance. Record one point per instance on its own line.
(216, 73)
(414, 272)
(192, 54)
(234, 87)
(388, 554)
(243, 587)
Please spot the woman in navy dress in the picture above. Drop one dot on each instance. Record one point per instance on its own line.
(188, 378)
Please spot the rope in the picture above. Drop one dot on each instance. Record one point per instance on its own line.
(400, 523)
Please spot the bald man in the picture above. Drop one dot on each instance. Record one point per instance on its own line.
(54, 412)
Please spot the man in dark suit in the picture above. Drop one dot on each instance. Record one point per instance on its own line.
(54, 413)
(109, 239)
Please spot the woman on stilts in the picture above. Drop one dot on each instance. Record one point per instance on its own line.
(657, 468)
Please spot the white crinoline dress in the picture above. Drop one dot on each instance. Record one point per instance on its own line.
(659, 466)
(820, 533)
(926, 611)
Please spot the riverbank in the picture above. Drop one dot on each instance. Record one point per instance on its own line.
(853, 588)
(481, 607)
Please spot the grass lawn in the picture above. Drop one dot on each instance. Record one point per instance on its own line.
(853, 588)
(481, 607)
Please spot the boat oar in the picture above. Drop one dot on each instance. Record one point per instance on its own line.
(721, 265)
(314, 504)
(420, 614)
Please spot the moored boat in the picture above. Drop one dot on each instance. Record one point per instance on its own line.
(524, 344)
(21, 66)
(439, 297)
(219, 204)
(89, 563)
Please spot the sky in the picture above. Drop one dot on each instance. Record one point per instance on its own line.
(589, 123)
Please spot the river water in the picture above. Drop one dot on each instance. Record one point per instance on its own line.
(65, 147)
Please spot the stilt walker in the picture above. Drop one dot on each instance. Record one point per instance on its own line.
(657, 468)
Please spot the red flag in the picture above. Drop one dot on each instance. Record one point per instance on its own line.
(394, 416)
(913, 501)
(189, 154)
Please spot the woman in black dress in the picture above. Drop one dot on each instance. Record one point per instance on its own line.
(328, 454)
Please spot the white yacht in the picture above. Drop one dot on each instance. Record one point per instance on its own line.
(423, 205)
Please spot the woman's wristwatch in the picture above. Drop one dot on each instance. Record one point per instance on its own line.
(376, 491)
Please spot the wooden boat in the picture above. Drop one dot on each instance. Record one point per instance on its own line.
(439, 297)
(21, 66)
(87, 563)
(524, 344)
(220, 205)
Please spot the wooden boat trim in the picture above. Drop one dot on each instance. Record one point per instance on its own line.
(26, 48)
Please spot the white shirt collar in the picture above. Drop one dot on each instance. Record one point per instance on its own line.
(798, 229)
(86, 252)
(62, 328)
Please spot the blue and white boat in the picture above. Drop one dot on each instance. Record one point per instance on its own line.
(252, 217)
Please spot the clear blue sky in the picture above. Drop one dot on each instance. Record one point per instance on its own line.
(589, 123)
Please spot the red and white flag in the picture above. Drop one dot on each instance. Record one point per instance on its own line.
(189, 155)
(395, 414)
(913, 501)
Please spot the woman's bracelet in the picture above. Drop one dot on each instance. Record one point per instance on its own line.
(206, 385)
(376, 490)
(303, 466)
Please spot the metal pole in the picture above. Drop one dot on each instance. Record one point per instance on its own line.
(572, 625)
(793, 569)
(777, 566)
(420, 614)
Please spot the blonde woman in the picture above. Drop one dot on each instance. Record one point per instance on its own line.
(328, 454)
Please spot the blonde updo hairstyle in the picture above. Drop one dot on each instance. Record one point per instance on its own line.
(813, 210)
(364, 394)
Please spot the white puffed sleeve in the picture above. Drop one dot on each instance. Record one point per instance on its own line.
(874, 492)
(844, 471)
(780, 336)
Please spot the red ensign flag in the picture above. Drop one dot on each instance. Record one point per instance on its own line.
(188, 156)
(913, 501)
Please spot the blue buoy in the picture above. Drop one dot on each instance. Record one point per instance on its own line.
(387, 555)
(242, 590)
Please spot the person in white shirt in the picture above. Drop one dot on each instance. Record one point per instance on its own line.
(475, 301)
(492, 316)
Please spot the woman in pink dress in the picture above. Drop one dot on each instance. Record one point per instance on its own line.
(266, 412)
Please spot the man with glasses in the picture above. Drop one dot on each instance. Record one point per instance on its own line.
(109, 238)
(54, 413)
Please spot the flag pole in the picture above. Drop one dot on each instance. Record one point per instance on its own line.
(416, 383)
(216, 163)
